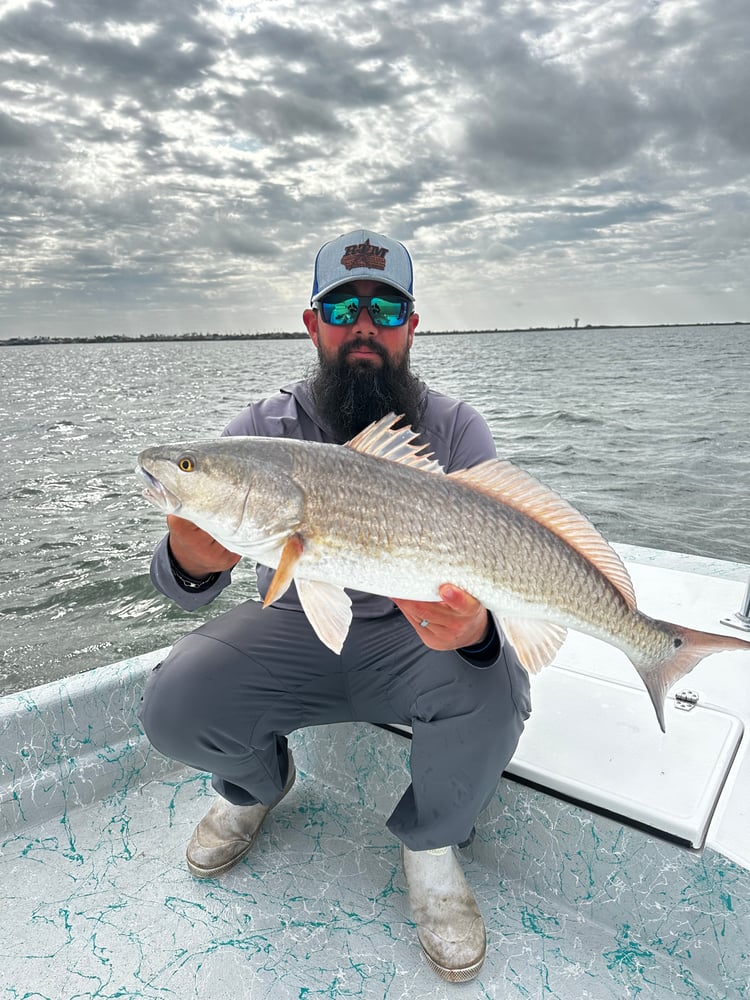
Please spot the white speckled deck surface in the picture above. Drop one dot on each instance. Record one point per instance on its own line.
(97, 902)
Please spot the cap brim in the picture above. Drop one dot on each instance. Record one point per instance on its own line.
(353, 277)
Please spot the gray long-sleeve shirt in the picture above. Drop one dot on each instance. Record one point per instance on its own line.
(457, 436)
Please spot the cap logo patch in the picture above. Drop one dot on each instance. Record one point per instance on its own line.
(364, 255)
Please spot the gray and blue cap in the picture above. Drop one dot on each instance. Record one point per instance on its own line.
(362, 254)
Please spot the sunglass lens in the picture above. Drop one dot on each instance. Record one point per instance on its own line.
(342, 312)
(388, 312)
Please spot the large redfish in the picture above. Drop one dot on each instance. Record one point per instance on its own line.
(378, 515)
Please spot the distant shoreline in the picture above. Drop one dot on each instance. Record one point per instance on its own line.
(165, 338)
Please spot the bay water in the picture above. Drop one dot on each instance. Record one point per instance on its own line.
(644, 430)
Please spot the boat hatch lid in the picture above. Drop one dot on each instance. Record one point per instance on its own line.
(597, 741)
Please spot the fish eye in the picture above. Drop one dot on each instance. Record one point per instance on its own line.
(185, 464)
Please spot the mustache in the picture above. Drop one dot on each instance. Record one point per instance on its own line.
(359, 342)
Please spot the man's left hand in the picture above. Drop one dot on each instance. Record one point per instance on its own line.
(455, 621)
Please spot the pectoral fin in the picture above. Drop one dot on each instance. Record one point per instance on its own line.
(328, 609)
(284, 574)
(535, 642)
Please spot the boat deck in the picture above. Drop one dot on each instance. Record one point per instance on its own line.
(98, 902)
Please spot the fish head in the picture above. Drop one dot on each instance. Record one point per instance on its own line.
(233, 488)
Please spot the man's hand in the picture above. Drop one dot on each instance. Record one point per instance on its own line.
(196, 552)
(457, 620)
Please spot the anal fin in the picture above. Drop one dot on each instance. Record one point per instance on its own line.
(536, 642)
(284, 574)
(328, 609)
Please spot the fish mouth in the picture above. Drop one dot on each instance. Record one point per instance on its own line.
(157, 493)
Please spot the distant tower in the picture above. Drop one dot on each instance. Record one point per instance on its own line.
(576, 321)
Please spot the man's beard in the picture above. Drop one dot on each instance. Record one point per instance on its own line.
(351, 396)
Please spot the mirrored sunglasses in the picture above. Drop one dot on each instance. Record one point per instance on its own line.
(384, 310)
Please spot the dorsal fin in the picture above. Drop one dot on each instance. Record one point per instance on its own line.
(505, 482)
(381, 441)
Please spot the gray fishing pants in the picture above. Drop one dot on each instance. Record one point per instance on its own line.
(229, 693)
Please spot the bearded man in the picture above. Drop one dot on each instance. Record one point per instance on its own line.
(229, 694)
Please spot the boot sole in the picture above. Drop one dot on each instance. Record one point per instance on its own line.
(454, 975)
(197, 872)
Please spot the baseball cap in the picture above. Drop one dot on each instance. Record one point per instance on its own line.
(362, 254)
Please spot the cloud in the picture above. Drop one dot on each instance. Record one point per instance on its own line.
(15, 134)
(195, 155)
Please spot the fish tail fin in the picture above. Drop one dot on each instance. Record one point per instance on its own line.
(690, 647)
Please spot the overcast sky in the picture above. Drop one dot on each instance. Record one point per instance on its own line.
(167, 166)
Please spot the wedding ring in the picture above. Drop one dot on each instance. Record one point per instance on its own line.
(424, 623)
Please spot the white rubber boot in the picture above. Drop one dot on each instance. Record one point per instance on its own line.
(227, 832)
(449, 924)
